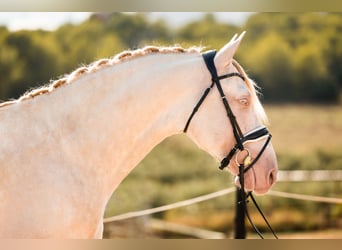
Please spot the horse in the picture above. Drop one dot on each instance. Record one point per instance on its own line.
(66, 146)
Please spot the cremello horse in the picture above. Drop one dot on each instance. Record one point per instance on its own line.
(65, 147)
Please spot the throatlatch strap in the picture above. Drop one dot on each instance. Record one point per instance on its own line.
(204, 95)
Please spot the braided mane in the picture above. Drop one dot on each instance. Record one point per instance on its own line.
(97, 65)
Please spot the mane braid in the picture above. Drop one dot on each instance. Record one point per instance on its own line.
(97, 65)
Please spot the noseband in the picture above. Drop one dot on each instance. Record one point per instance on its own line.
(240, 138)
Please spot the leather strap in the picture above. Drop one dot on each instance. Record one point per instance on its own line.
(209, 61)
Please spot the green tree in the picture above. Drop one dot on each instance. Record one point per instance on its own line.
(206, 31)
(307, 54)
(313, 81)
(35, 61)
(293, 56)
(271, 64)
(135, 30)
(11, 70)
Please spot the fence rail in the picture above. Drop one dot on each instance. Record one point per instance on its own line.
(200, 233)
(170, 206)
(305, 197)
(295, 176)
(284, 176)
(310, 175)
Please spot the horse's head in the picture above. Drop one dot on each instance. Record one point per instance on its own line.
(243, 128)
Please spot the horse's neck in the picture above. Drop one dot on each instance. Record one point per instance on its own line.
(113, 118)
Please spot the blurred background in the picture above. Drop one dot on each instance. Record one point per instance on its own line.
(296, 58)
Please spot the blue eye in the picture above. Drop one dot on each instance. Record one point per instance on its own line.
(244, 101)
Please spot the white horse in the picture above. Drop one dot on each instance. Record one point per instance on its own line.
(65, 147)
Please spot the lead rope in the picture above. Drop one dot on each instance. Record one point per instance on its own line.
(245, 200)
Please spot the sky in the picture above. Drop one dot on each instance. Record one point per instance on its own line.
(52, 20)
(40, 20)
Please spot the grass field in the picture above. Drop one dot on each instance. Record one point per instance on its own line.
(304, 137)
(303, 129)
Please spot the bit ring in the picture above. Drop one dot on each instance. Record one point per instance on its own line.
(246, 161)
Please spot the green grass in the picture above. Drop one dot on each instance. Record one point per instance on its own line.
(304, 137)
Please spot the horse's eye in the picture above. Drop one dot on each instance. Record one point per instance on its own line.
(244, 101)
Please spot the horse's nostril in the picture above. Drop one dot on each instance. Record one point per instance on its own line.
(272, 177)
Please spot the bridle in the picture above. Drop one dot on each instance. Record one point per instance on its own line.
(240, 138)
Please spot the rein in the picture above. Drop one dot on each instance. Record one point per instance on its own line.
(240, 138)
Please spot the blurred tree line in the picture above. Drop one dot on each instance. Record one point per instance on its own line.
(294, 57)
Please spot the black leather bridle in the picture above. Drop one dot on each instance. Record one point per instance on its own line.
(240, 138)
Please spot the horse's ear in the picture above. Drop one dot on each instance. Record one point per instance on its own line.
(225, 55)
